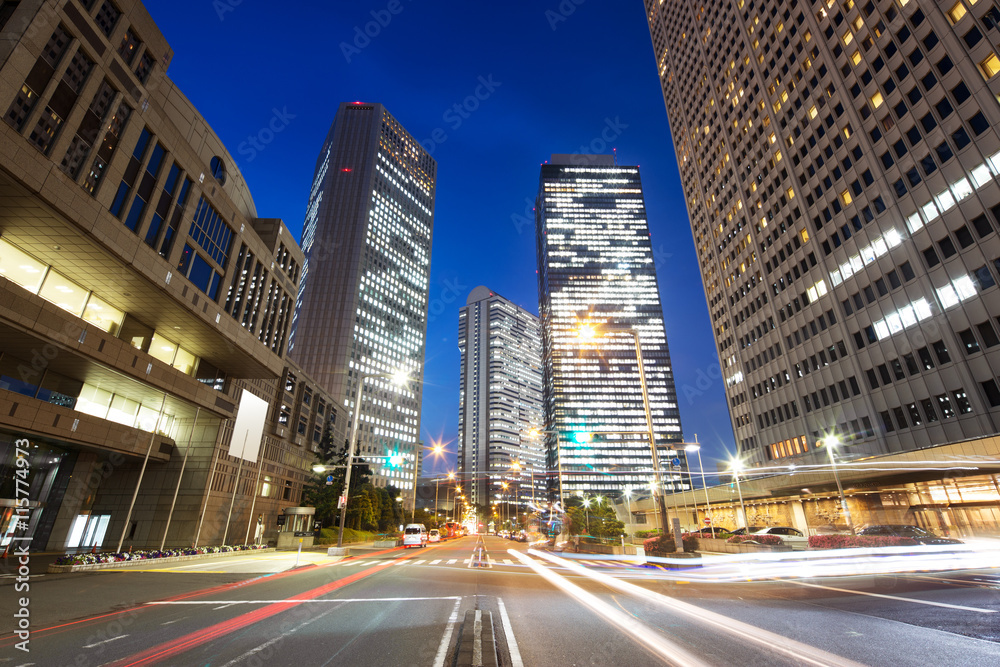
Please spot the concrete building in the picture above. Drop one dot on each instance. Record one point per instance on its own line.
(839, 162)
(140, 294)
(362, 302)
(500, 402)
(597, 276)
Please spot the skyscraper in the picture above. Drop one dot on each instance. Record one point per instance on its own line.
(362, 302)
(596, 274)
(500, 402)
(839, 162)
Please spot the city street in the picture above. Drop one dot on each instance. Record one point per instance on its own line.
(409, 608)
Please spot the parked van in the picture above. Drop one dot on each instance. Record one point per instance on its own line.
(414, 535)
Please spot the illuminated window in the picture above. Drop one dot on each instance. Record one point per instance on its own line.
(990, 66)
(876, 100)
(845, 196)
(855, 57)
(847, 38)
(957, 12)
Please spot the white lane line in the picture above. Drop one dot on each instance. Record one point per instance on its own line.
(671, 652)
(507, 561)
(435, 562)
(801, 653)
(418, 562)
(515, 654)
(106, 641)
(446, 637)
(173, 621)
(297, 601)
(280, 637)
(222, 607)
(452, 561)
(896, 597)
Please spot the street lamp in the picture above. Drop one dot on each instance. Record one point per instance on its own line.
(831, 442)
(399, 378)
(737, 466)
(695, 447)
(588, 332)
(628, 501)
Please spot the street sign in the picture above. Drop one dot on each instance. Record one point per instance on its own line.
(708, 522)
(281, 519)
(676, 463)
(341, 502)
(329, 480)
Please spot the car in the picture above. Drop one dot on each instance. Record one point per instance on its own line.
(793, 537)
(414, 535)
(434, 535)
(711, 531)
(921, 535)
(744, 530)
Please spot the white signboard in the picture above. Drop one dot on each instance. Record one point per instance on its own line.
(249, 427)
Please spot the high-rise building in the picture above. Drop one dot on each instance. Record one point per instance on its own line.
(140, 295)
(839, 163)
(597, 276)
(500, 402)
(362, 302)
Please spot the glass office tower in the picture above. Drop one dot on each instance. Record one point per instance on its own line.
(840, 163)
(362, 303)
(500, 402)
(597, 276)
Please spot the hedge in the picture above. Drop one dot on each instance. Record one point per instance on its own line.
(90, 559)
(666, 545)
(851, 541)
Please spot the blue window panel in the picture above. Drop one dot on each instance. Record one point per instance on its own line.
(116, 205)
(201, 273)
(135, 213)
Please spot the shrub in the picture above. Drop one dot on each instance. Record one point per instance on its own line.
(850, 541)
(643, 534)
(90, 559)
(772, 540)
(665, 544)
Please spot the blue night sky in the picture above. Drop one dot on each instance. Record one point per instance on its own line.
(561, 76)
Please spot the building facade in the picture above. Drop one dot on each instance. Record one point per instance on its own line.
(500, 454)
(140, 294)
(597, 276)
(839, 163)
(362, 302)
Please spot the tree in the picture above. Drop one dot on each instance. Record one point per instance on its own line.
(317, 493)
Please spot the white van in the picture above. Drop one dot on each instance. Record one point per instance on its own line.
(414, 535)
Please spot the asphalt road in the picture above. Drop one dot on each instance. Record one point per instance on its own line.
(409, 608)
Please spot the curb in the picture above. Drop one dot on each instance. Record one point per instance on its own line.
(58, 569)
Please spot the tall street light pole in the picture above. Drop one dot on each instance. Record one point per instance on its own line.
(695, 447)
(590, 332)
(399, 378)
(737, 467)
(831, 442)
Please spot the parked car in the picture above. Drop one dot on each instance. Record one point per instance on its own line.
(434, 535)
(917, 533)
(793, 537)
(744, 531)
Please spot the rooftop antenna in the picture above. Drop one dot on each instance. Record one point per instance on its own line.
(614, 151)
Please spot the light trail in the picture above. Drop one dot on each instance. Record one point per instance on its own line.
(668, 651)
(801, 653)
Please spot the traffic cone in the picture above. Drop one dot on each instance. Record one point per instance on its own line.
(93, 549)
(5, 549)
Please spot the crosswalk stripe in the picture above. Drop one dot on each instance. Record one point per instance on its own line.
(418, 562)
(452, 561)
(435, 562)
(507, 561)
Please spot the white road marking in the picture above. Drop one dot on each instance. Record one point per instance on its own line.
(297, 601)
(279, 638)
(515, 654)
(452, 561)
(507, 561)
(446, 637)
(435, 562)
(418, 562)
(173, 621)
(896, 597)
(106, 641)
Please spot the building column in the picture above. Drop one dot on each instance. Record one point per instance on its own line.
(79, 493)
(799, 520)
